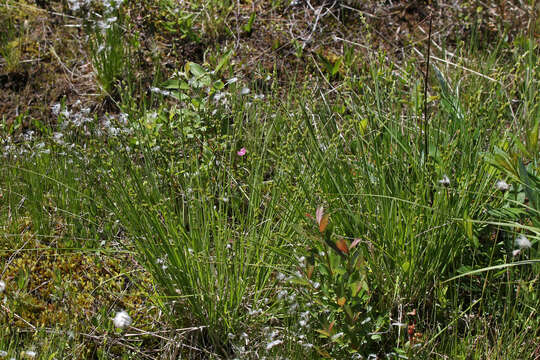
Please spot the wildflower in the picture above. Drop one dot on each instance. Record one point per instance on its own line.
(3, 353)
(445, 181)
(122, 320)
(241, 152)
(2, 286)
(270, 345)
(502, 186)
(244, 91)
(522, 242)
(516, 252)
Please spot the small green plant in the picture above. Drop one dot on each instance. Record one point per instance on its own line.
(334, 278)
(111, 55)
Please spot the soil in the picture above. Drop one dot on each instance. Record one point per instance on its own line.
(54, 63)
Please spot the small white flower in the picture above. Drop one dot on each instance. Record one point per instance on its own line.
(3, 353)
(244, 91)
(445, 181)
(270, 345)
(516, 252)
(2, 286)
(502, 185)
(522, 242)
(122, 320)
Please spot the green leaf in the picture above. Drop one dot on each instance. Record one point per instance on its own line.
(249, 26)
(225, 59)
(532, 139)
(196, 69)
(532, 193)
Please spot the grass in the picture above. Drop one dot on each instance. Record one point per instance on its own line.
(336, 204)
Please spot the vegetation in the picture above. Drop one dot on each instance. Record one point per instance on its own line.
(269, 179)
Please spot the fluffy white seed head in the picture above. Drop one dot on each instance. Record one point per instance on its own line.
(502, 185)
(270, 345)
(522, 242)
(445, 181)
(122, 320)
(29, 354)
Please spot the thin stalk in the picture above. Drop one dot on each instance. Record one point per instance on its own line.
(426, 78)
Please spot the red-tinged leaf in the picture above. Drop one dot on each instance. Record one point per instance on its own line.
(331, 326)
(324, 223)
(354, 243)
(319, 215)
(342, 246)
(341, 301)
(309, 216)
(310, 271)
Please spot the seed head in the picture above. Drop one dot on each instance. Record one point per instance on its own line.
(522, 242)
(122, 320)
(502, 186)
(445, 181)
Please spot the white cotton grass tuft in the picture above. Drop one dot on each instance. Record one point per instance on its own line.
(122, 320)
(445, 181)
(522, 242)
(502, 185)
(2, 286)
(29, 354)
(272, 344)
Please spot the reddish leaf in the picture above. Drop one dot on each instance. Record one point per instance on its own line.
(331, 326)
(319, 215)
(323, 223)
(342, 246)
(354, 243)
(310, 271)
(341, 301)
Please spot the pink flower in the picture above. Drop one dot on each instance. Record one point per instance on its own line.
(241, 152)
